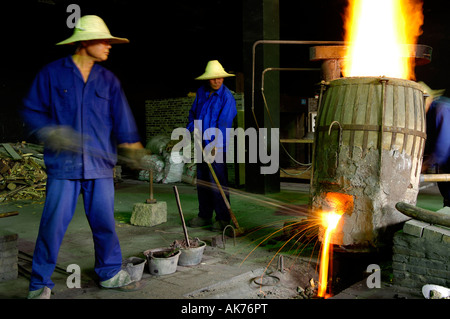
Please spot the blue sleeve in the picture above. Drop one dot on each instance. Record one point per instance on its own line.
(124, 125)
(442, 145)
(35, 110)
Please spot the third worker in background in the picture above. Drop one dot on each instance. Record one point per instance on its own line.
(437, 147)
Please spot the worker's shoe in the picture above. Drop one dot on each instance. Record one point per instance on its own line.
(43, 293)
(121, 279)
(219, 225)
(199, 222)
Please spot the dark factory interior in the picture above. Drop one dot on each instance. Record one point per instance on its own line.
(393, 240)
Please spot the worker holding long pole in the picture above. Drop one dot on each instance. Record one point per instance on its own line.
(212, 112)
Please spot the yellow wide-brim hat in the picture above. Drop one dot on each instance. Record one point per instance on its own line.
(91, 27)
(214, 70)
(433, 93)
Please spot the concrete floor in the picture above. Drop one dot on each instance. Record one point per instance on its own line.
(223, 272)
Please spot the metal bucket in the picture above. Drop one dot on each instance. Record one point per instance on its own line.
(159, 266)
(192, 256)
(135, 267)
(369, 142)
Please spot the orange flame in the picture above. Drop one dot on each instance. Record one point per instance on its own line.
(339, 203)
(330, 221)
(379, 34)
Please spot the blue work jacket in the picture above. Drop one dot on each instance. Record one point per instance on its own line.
(438, 133)
(216, 110)
(98, 110)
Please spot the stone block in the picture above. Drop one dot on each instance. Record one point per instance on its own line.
(414, 227)
(433, 233)
(149, 214)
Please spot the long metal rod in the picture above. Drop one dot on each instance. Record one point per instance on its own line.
(435, 178)
(284, 69)
(177, 197)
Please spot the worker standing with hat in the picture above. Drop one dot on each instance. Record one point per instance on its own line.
(78, 109)
(213, 110)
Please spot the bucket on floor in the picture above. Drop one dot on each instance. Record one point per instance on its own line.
(135, 267)
(192, 256)
(159, 265)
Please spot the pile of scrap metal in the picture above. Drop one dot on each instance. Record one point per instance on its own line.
(22, 171)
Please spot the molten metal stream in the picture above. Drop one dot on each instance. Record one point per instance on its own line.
(330, 221)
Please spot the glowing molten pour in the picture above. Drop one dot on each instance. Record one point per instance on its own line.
(330, 221)
(378, 33)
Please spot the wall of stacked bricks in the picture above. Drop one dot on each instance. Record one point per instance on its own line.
(421, 255)
(8, 256)
(164, 115)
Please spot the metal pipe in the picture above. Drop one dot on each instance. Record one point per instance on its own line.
(435, 178)
(280, 42)
(267, 108)
(278, 69)
(284, 69)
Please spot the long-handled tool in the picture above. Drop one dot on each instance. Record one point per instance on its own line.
(177, 197)
(239, 230)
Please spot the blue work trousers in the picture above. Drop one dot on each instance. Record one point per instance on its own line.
(60, 203)
(209, 197)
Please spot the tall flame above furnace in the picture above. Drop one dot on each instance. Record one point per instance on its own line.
(379, 33)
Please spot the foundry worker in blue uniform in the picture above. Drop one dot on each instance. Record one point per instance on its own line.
(437, 146)
(78, 110)
(212, 112)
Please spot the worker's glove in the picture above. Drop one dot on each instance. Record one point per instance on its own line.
(61, 138)
(132, 157)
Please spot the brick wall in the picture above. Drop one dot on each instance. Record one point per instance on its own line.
(421, 255)
(163, 116)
